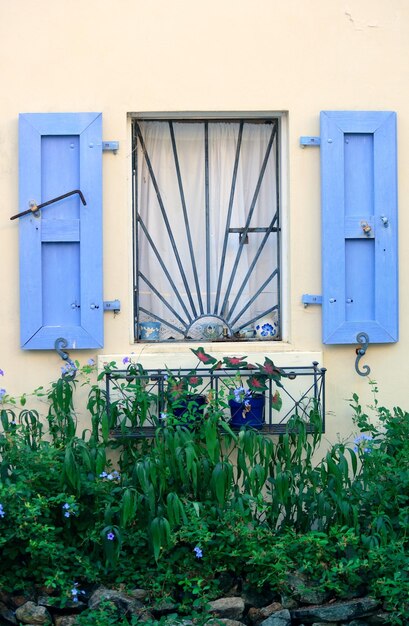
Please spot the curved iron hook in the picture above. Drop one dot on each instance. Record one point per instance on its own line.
(363, 339)
(69, 371)
(59, 344)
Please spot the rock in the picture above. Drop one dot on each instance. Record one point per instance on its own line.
(336, 612)
(65, 620)
(121, 600)
(258, 615)
(124, 603)
(30, 613)
(7, 614)
(225, 621)
(18, 599)
(307, 592)
(138, 594)
(279, 618)
(50, 602)
(288, 602)
(325, 624)
(380, 618)
(230, 608)
(164, 607)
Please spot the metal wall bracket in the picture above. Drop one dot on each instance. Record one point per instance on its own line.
(112, 305)
(110, 146)
(69, 371)
(363, 339)
(310, 141)
(309, 299)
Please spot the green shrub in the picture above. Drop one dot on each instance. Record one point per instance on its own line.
(190, 508)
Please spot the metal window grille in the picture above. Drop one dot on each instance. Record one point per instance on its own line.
(225, 284)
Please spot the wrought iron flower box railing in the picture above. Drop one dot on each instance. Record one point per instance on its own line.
(137, 400)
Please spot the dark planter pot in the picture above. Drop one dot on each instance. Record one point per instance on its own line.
(253, 418)
(189, 410)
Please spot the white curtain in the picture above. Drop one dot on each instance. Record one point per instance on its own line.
(189, 296)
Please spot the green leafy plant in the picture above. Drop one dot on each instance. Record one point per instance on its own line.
(186, 509)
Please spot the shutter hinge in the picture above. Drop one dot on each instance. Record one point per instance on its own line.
(112, 305)
(309, 299)
(310, 141)
(110, 146)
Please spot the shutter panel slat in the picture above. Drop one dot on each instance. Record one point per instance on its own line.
(359, 190)
(61, 246)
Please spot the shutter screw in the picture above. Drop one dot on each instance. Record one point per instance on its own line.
(94, 306)
(329, 140)
(366, 228)
(91, 145)
(332, 300)
(385, 221)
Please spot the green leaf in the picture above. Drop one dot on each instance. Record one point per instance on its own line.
(276, 401)
(128, 506)
(212, 442)
(220, 481)
(105, 427)
(71, 468)
(101, 461)
(257, 383)
(203, 357)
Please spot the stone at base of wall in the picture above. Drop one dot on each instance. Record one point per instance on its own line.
(231, 610)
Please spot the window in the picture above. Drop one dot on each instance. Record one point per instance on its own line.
(207, 229)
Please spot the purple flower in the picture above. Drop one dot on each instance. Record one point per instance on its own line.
(2, 511)
(1, 372)
(198, 552)
(110, 536)
(91, 362)
(69, 368)
(360, 443)
(103, 475)
(238, 393)
(66, 507)
(75, 592)
(126, 360)
(2, 393)
(163, 416)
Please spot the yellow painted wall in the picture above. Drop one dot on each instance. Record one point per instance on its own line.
(121, 56)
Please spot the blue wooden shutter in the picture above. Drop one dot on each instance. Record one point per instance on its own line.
(61, 248)
(359, 217)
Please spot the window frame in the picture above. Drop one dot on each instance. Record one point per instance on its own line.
(282, 177)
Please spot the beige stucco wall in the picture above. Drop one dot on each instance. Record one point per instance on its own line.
(121, 56)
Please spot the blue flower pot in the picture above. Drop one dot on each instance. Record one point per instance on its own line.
(254, 418)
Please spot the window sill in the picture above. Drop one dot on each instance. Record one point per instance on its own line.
(179, 354)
